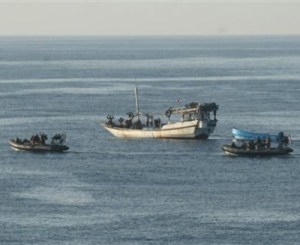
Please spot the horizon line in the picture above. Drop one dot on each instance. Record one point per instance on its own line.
(146, 35)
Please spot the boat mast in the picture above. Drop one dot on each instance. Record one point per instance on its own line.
(137, 103)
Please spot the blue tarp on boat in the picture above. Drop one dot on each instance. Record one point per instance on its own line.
(240, 134)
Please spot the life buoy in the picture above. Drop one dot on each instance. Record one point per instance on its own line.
(168, 113)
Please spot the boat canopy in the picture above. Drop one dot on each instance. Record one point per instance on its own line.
(195, 107)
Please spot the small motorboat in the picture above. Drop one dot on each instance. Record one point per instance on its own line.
(241, 134)
(38, 143)
(241, 151)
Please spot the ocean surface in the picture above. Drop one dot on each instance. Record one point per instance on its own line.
(147, 191)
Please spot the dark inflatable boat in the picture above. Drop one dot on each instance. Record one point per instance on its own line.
(240, 151)
(38, 143)
(37, 147)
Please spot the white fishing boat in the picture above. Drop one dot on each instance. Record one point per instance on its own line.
(193, 121)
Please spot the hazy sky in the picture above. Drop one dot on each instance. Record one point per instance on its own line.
(149, 17)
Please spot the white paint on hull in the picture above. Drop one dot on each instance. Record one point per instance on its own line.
(179, 130)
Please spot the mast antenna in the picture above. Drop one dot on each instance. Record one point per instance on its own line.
(137, 102)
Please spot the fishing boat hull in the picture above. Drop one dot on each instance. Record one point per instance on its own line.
(240, 134)
(238, 151)
(38, 147)
(179, 130)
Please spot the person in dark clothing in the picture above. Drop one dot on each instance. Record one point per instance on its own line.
(251, 145)
(258, 143)
(268, 142)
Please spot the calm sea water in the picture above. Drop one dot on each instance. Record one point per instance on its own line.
(111, 191)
